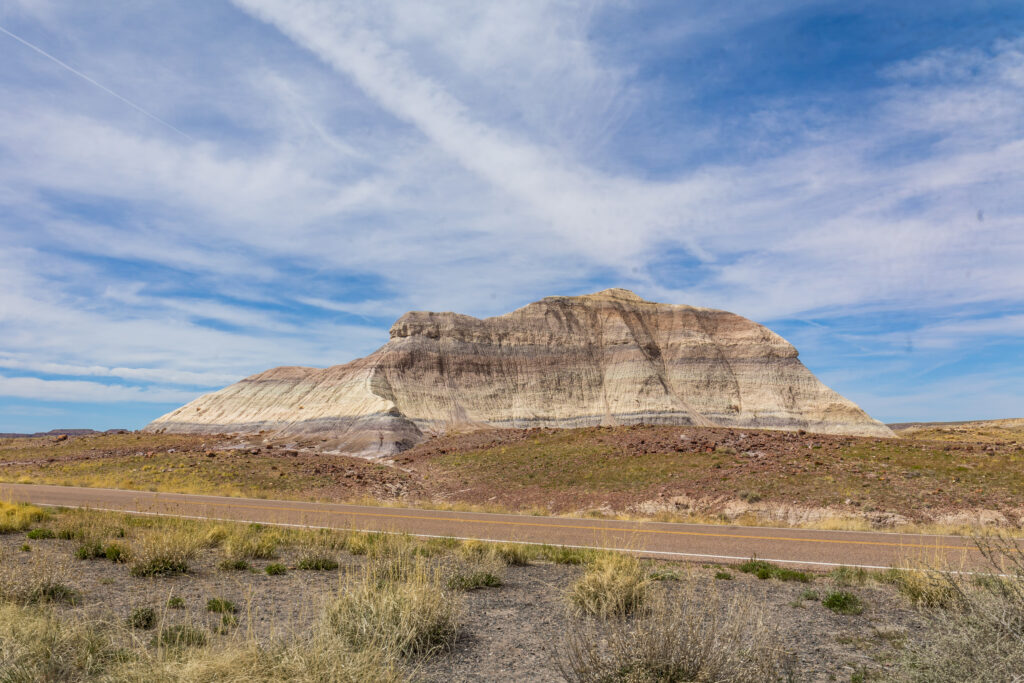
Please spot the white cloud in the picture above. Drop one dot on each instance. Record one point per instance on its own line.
(88, 392)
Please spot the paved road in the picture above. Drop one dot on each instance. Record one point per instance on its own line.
(802, 547)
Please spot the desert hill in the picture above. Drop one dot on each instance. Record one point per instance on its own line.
(609, 358)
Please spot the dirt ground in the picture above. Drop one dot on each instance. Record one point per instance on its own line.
(511, 632)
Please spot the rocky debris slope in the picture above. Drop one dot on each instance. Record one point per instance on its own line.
(608, 358)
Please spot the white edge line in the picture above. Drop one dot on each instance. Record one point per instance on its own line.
(632, 551)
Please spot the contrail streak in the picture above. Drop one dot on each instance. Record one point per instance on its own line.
(97, 84)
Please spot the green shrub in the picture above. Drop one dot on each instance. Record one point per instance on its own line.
(142, 618)
(176, 602)
(220, 606)
(842, 602)
(36, 534)
(25, 548)
(233, 565)
(472, 581)
(723, 575)
(116, 552)
(180, 635)
(767, 570)
(89, 550)
(276, 569)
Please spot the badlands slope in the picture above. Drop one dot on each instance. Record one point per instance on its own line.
(608, 358)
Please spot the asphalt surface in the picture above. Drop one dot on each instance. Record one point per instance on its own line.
(798, 547)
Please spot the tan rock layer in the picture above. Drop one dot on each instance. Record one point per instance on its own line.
(605, 358)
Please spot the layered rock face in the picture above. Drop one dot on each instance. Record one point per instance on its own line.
(602, 359)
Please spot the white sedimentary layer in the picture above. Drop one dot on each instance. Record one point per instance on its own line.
(606, 358)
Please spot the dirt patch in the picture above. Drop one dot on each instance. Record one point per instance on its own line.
(731, 472)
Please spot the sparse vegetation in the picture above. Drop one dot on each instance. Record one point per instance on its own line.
(979, 634)
(221, 606)
(175, 602)
(36, 534)
(675, 640)
(723, 575)
(276, 569)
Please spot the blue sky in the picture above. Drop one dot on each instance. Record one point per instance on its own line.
(192, 192)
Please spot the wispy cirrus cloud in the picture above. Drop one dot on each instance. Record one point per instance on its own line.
(346, 162)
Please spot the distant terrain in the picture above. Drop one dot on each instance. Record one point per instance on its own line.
(960, 476)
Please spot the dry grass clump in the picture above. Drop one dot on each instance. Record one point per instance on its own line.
(676, 639)
(40, 582)
(614, 585)
(15, 517)
(400, 612)
(511, 554)
(250, 543)
(979, 634)
(168, 550)
(41, 645)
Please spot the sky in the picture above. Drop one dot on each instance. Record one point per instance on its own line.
(193, 192)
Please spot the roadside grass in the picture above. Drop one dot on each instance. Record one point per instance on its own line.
(677, 639)
(614, 585)
(15, 517)
(767, 570)
(979, 634)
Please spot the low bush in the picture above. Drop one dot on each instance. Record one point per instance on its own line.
(115, 552)
(473, 580)
(230, 564)
(723, 575)
(36, 534)
(142, 618)
(176, 602)
(675, 640)
(89, 550)
(842, 602)
(221, 606)
(512, 554)
(276, 569)
(767, 570)
(614, 585)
